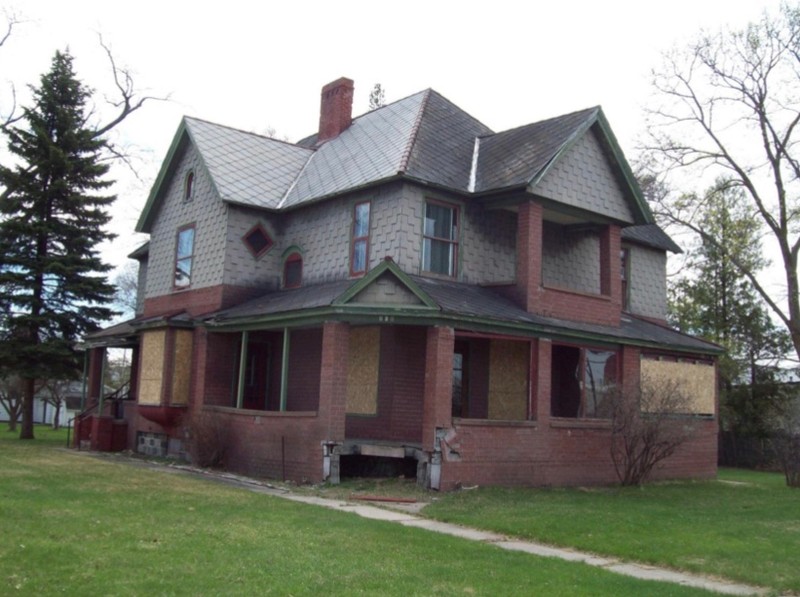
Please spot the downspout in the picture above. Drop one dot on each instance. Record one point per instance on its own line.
(242, 370)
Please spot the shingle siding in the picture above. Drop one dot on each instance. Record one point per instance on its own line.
(205, 211)
(570, 259)
(242, 268)
(648, 282)
(583, 178)
(487, 239)
(141, 285)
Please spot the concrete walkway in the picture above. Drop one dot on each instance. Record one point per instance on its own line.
(409, 519)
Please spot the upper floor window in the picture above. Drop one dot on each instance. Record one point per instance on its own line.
(581, 380)
(293, 270)
(359, 256)
(257, 240)
(188, 186)
(440, 239)
(184, 254)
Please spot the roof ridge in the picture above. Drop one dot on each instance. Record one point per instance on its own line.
(542, 121)
(412, 138)
(244, 132)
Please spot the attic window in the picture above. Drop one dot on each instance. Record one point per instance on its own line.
(293, 271)
(188, 186)
(257, 240)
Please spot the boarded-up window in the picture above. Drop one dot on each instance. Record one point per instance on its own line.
(152, 368)
(508, 380)
(696, 379)
(362, 370)
(182, 367)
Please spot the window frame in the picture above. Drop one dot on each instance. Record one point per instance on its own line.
(356, 241)
(452, 242)
(582, 382)
(179, 258)
(188, 186)
(292, 258)
(264, 250)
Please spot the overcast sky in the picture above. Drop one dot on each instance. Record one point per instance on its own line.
(260, 65)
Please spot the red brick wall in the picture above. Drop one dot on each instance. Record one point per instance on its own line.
(199, 301)
(540, 454)
(305, 353)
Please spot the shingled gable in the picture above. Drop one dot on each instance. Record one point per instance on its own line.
(235, 162)
(521, 158)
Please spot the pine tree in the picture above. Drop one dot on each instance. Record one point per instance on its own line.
(53, 287)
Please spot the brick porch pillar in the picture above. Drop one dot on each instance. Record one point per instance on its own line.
(529, 254)
(610, 277)
(438, 396)
(333, 379)
(94, 385)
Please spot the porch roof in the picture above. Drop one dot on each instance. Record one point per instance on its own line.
(462, 306)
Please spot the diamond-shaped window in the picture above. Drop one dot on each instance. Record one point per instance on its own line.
(257, 240)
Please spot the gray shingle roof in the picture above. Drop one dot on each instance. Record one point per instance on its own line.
(372, 148)
(650, 235)
(423, 136)
(459, 300)
(515, 157)
(247, 168)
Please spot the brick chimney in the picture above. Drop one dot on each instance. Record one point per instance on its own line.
(336, 108)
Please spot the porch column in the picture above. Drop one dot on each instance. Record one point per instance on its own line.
(631, 368)
(94, 388)
(333, 379)
(529, 254)
(438, 397)
(543, 382)
(134, 383)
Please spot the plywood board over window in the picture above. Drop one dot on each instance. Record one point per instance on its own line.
(362, 370)
(696, 379)
(152, 368)
(182, 367)
(508, 380)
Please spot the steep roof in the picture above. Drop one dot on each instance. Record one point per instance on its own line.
(423, 137)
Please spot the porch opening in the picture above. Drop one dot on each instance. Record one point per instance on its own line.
(360, 466)
(581, 379)
(491, 379)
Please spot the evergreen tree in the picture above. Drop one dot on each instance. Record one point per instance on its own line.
(53, 287)
(715, 300)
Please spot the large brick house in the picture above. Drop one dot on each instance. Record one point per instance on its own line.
(406, 286)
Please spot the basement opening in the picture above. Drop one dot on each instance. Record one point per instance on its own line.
(360, 466)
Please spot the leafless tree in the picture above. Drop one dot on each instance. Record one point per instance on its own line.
(11, 399)
(648, 424)
(208, 436)
(127, 283)
(54, 393)
(729, 104)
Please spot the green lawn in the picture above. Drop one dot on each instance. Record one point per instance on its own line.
(73, 524)
(746, 526)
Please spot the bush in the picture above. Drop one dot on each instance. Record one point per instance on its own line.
(208, 439)
(648, 425)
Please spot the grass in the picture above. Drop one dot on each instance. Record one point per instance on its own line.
(75, 524)
(745, 526)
